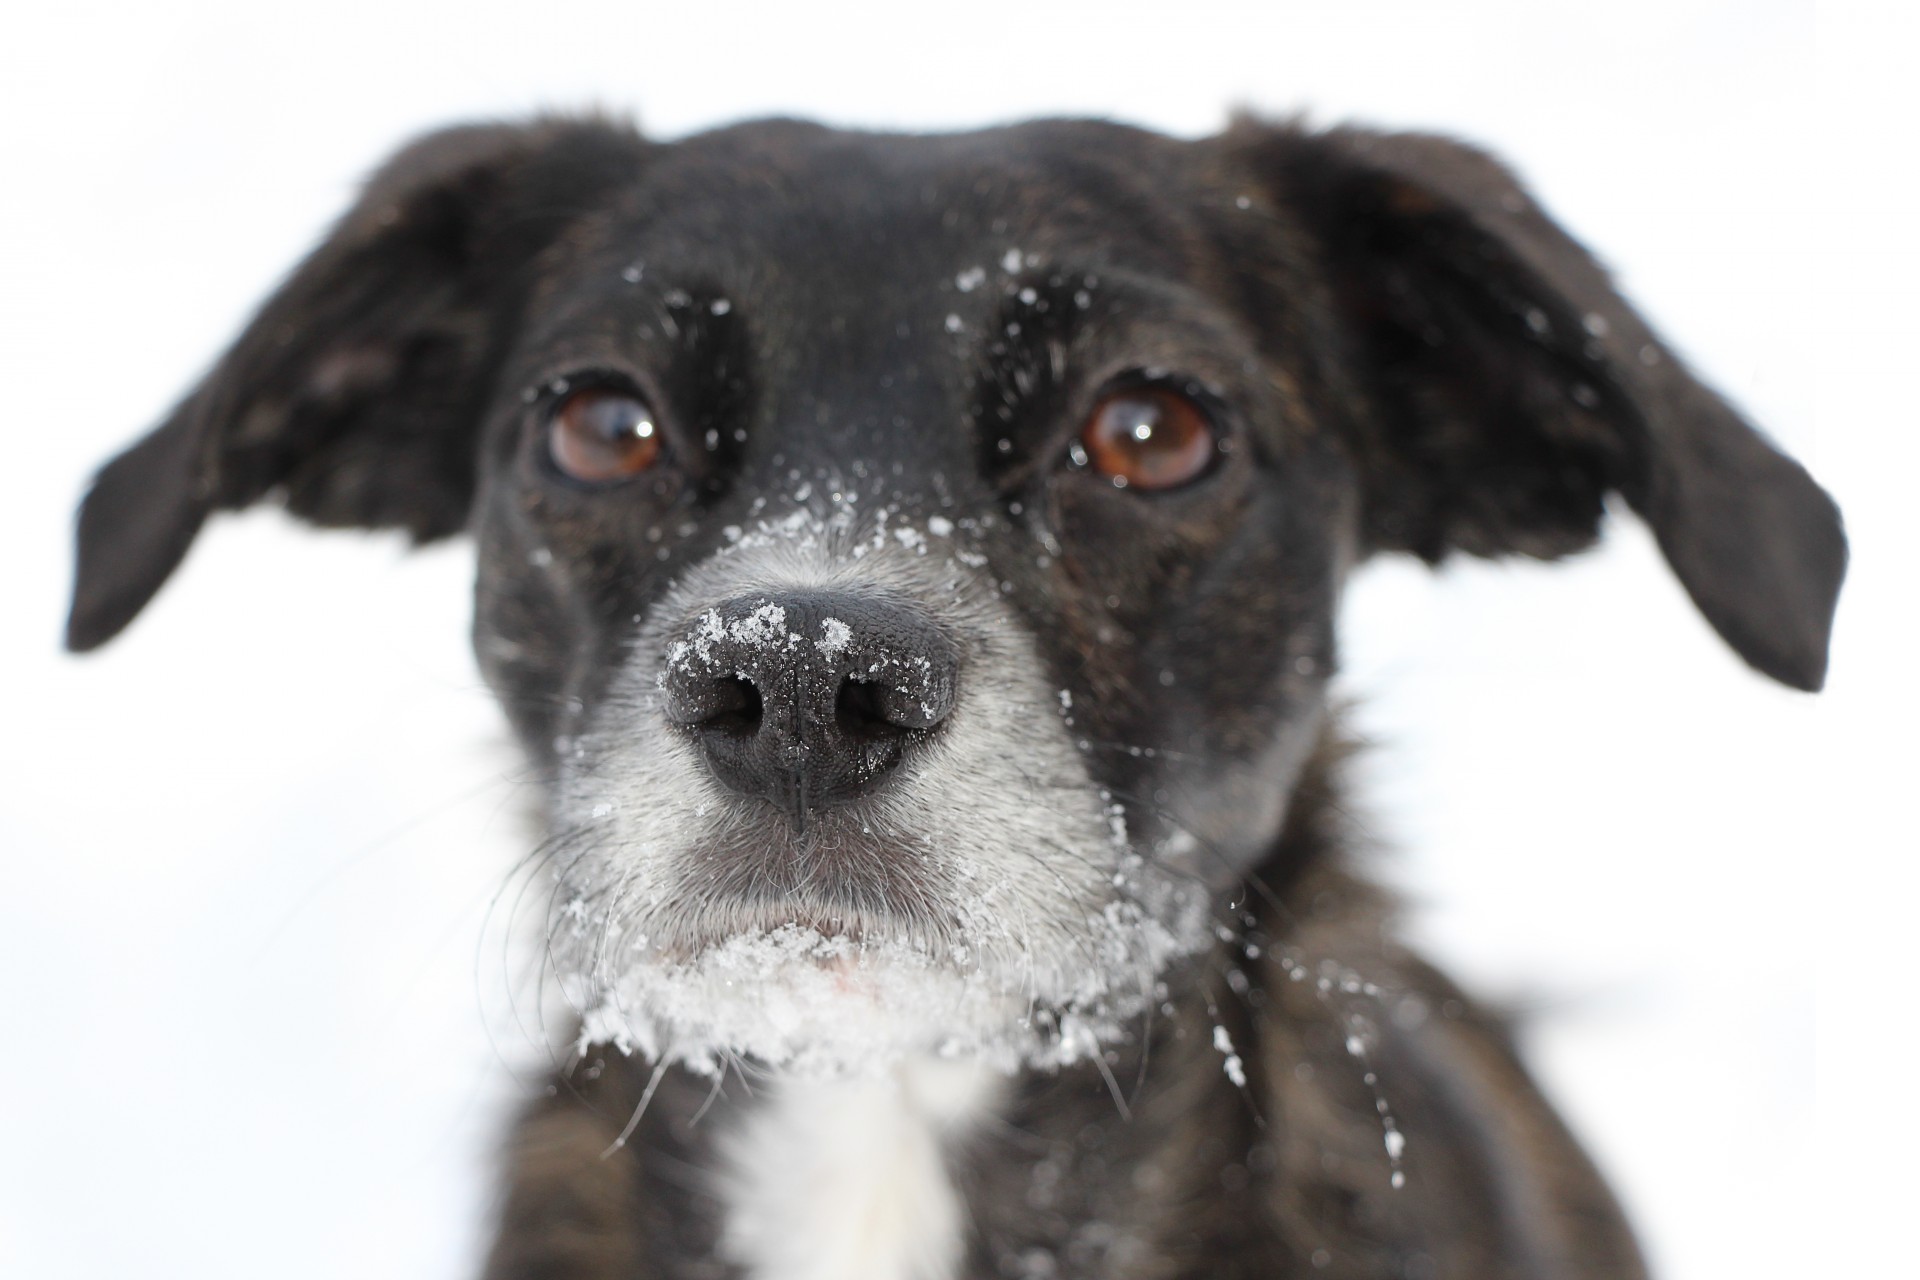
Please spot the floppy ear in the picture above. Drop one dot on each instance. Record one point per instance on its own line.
(355, 392)
(1503, 388)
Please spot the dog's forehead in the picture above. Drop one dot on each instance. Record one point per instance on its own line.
(817, 199)
(871, 278)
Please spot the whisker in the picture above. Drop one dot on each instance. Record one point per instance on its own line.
(524, 870)
(719, 1079)
(1113, 1086)
(633, 1121)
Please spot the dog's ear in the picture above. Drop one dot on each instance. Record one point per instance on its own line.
(355, 393)
(1501, 389)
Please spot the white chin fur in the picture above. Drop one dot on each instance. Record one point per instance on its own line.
(814, 1006)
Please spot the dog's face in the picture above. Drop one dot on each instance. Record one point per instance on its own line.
(860, 528)
(913, 560)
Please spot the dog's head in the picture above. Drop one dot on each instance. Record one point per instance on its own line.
(913, 559)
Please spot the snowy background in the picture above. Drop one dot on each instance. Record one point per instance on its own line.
(251, 1018)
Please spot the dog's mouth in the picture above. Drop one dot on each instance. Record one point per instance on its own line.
(844, 973)
(797, 985)
(836, 936)
(843, 884)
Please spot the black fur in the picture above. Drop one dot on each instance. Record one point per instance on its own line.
(1405, 353)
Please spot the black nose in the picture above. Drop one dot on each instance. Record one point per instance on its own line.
(808, 699)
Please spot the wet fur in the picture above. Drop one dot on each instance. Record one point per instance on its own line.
(1411, 357)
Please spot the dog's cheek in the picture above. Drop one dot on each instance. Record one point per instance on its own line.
(1204, 646)
(554, 595)
(521, 636)
(1120, 565)
(565, 581)
(1243, 673)
(1134, 570)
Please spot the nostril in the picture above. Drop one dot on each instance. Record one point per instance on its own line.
(870, 709)
(731, 706)
(861, 712)
(737, 706)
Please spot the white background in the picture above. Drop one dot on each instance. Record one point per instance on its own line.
(248, 1021)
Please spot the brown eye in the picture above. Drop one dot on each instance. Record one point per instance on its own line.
(1147, 438)
(602, 434)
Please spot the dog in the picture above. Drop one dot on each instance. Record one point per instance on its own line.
(910, 564)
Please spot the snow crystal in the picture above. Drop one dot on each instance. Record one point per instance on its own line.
(1010, 261)
(939, 526)
(970, 279)
(764, 628)
(1235, 1069)
(835, 635)
(954, 323)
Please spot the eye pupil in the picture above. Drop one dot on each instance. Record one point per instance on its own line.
(1147, 438)
(602, 434)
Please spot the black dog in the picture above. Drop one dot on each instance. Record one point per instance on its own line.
(912, 563)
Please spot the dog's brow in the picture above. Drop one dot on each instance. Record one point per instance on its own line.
(1025, 360)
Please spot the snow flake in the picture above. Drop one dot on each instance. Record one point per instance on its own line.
(835, 635)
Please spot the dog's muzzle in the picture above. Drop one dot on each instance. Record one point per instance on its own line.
(808, 700)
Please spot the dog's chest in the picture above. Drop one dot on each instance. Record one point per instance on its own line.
(849, 1179)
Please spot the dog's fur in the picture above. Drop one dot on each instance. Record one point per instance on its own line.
(1079, 985)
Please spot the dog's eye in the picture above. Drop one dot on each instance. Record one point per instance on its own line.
(602, 434)
(1147, 438)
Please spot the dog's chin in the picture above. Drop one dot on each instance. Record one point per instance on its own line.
(800, 1001)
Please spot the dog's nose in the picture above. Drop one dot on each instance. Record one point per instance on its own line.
(808, 699)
